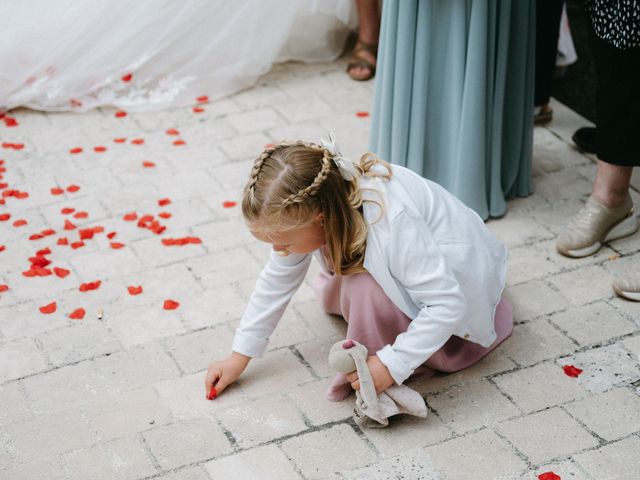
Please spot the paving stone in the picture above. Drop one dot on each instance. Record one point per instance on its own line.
(611, 415)
(186, 442)
(535, 341)
(471, 406)
(319, 454)
(320, 323)
(410, 464)
(291, 330)
(255, 120)
(593, 283)
(19, 358)
(547, 435)
(604, 368)
(144, 324)
(633, 345)
(115, 263)
(532, 299)
(265, 463)
(530, 262)
(262, 420)
(566, 470)
(51, 469)
(154, 253)
(124, 458)
(631, 310)
(540, 386)
(593, 323)
(195, 351)
(563, 184)
(515, 231)
(466, 457)
(223, 234)
(316, 354)
(213, 307)
(189, 473)
(619, 461)
(218, 269)
(310, 398)
(13, 403)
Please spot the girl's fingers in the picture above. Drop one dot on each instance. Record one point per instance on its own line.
(356, 385)
(352, 377)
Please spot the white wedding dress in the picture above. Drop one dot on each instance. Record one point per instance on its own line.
(149, 54)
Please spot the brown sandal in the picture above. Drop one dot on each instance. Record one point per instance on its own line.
(358, 61)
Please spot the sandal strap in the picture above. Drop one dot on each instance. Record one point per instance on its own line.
(369, 47)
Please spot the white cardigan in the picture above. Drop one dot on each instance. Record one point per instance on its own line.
(433, 257)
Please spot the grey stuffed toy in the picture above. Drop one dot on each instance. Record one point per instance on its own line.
(373, 410)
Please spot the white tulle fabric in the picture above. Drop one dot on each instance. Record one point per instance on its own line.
(78, 54)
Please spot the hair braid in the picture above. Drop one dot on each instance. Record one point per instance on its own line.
(313, 188)
(255, 172)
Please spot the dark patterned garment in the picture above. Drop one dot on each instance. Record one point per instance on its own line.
(616, 21)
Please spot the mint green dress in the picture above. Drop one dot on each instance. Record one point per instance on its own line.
(454, 96)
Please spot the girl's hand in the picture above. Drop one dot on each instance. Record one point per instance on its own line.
(222, 374)
(382, 379)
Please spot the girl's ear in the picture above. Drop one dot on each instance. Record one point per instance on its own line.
(320, 218)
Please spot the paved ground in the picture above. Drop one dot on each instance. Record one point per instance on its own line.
(121, 397)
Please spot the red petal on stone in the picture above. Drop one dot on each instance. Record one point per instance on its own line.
(4, 217)
(44, 251)
(67, 210)
(110, 235)
(49, 308)
(85, 287)
(19, 223)
(135, 290)
(164, 201)
(86, 233)
(75, 102)
(130, 217)
(229, 204)
(172, 131)
(138, 141)
(202, 99)
(61, 272)
(164, 215)
(63, 241)
(362, 114)
(75, 150)
(2, 248)
(42, 272)
(73, 188)
(76, 245)
(148, 164)
(81, 215)
(571, 371)
(120, 114)
(57, 191)
(100, 149)
(179, 142)
(68, 225)
(4, 287)
(47, 232)
(36, 236)
(119, 140)
(77, 314)
(127, 77)
(18, 146)
(170, 305)
(116, 245)
(198, 109)
(213, 393)
(549, 476)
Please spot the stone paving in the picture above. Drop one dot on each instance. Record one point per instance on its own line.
(119, 393)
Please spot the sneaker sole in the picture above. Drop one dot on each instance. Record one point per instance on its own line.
(626, 227)
(633, 296)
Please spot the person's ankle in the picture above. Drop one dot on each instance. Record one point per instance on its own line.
(610, 199)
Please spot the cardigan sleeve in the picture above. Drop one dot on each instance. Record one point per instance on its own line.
(420, 268)
(276, 284)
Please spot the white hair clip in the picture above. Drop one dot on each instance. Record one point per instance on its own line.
(347, 169)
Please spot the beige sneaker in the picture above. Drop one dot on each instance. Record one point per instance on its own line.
(594, 225)
(627, 286)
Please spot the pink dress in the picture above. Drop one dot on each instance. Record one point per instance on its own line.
(374, 321)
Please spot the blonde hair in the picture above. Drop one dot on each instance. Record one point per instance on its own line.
(291, 183)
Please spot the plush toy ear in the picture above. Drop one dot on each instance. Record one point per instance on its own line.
(340, 360)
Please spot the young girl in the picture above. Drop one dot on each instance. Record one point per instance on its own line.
(414, 272)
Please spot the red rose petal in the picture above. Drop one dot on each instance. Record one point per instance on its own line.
(172, 131)
(138, 141)
(81, 215)
(135, 290)
(202, 99)
(110, 235)
(49, 308)
(116, 245)
(63, 241)
(61, 272)
(212, 394)
(67, 210)
(86, 233)
(127, 77)
(549, 476)
(68, 225)
(130, 217)
(47, 232)
(179, 142)
(229, 204)
(571, 371)
(148, 164)
(4, 287)
(164, 201)
(100, 149)
(77, 314)
(19, 223)
(120, 114)
(362, 114)
(164, 215)
(76, 245)
(170, 305)
(2, 248)
(75, 150)
(119, 140)
(4, 217)
(57, 191)
(73, 188)
(86, 287)
(198, 109)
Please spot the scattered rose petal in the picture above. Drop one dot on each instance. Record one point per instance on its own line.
(362, 114)
(4, 217)
(73, 188)
(202, 99)
(164, 201)
(169, 242)
(110, 235)
(49, 308)
(85, 287)
(75, 150)
(138, 141)
(19, 223)
(81, 215)
(229, 204)
(170, 305)
(67, 210)
(63, 241)
(61, 272)
(198, 109)
(130, 217)
(134, 290)
(119, 140)
(4, 287)
(179, 142)
(172, 131)
(116, 245)
(549, 476)
(571, 371)
(120, 114)
(213, 393)
(127, 77)
(76, 245)
(100, 149)
(68, 225)
(2, 248)
(164, 215)
(57, 191)
(148, 164)
(77, 314)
